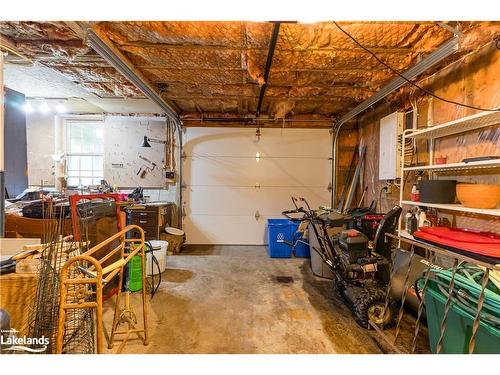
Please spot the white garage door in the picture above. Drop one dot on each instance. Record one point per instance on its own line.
(230, 195)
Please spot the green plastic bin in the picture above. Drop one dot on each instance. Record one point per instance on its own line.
(135, 274)
(458, 327)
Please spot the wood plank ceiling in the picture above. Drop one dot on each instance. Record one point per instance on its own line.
(216, 69)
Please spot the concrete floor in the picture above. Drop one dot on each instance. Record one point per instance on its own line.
(227, 299)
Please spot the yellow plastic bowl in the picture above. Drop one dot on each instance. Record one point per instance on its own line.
(478, 195)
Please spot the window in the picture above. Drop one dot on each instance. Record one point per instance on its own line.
(84, 156)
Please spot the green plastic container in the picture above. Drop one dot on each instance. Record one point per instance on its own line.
(135, 274)
(458, 327)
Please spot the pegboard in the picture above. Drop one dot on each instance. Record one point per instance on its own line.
(122, 145)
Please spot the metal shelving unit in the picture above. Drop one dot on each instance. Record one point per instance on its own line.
(455, 207)
(477, 121)
(465, 124)
(403, 233)
(484, 164)
(462, 125)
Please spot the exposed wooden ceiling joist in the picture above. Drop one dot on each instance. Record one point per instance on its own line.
(214, 67)
(402, 50)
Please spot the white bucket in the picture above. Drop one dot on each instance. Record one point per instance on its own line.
(160, 253)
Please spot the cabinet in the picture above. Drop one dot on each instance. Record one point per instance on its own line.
(391, 127)
(152, 218)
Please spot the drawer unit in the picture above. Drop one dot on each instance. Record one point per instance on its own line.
(152, 218)
(150, 233)
(142, 214)
(143, 221)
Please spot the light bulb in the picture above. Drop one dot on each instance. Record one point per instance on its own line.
(60, 108)
(44, 107)
(28, 108)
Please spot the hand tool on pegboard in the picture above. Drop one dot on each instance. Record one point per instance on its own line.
(148, 161)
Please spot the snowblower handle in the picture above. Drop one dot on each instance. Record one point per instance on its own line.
(300, 199)
(288, 213)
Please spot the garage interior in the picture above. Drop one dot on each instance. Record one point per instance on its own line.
(250, 187)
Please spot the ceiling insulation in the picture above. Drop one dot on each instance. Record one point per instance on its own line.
(58, 46)
(216, 69)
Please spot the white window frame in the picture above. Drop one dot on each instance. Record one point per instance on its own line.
(66, 143)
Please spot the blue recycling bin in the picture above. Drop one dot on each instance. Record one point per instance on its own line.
(279, 230)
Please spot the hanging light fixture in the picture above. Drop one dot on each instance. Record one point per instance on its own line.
(145, 142)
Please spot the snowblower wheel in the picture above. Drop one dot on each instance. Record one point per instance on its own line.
(339, 289)
(370, 307)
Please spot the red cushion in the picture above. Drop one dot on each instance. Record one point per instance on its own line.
(462, 234)
(487, 244)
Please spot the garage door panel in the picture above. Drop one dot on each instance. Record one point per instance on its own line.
(275, 200)
(248, 172)
(219, 142)
(294, 172)
(242, 142)
(214, 200)
(226, 186)
(223, 230)
(210, 200)
(295, 142)
(220, 171)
